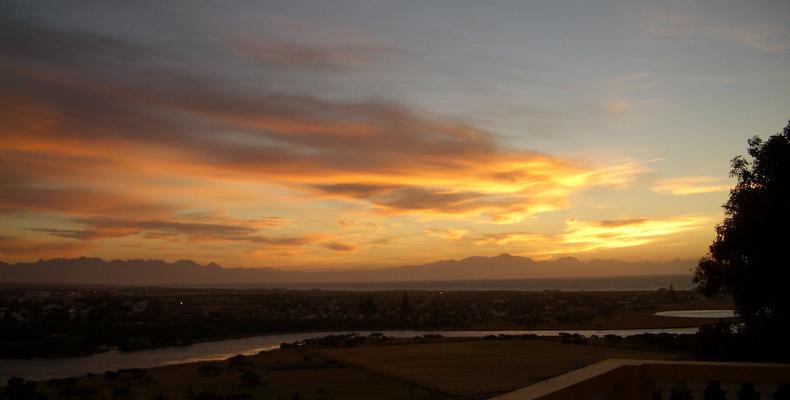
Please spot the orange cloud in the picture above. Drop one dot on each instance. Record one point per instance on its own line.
(395, 159)
(513, 237)
(447, 233)
(690, 185)
(103, 155)
(585, 236)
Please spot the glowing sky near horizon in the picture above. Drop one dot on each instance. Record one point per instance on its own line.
(344, 134)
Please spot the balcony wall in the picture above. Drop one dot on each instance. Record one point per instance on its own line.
(664, 380)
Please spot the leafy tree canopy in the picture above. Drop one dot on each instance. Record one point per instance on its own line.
(749, 257)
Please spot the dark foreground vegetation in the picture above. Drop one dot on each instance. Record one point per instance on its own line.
(356, 367)
(748, 260)
(68, 321)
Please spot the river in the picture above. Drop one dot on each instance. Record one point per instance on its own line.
(46, 368)
(699, 314)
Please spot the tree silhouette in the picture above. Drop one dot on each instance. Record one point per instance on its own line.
(369, 308)
(750, 255)
(405, 307)
(209, 370)
(250, 378)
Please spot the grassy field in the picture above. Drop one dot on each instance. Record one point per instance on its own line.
(441, 369)
(644, 318)
(479, 367)
(285, 375)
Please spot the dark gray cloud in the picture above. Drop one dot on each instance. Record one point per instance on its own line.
(309, 56)
(13, 246)
(102, 227)
(337, 246)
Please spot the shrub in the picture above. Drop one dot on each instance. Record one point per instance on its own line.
(209, 370)
(207, 396)
(18, 388)
(120, 391)
(238, 361)
(250, 378)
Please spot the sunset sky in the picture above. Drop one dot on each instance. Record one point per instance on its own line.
(334, 134)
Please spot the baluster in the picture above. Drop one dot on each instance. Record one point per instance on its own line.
(655, 391)
(664, 389)
(599, 396)
(731, 389)
(681, 391)
(714, 391)
(766, 390)
(782, 393)
(748, 392)
(697, 390)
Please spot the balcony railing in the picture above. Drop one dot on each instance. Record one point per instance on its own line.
(664, 380)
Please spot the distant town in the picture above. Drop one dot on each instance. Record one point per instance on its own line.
(64, 321)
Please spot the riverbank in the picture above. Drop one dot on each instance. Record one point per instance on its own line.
(43, 368)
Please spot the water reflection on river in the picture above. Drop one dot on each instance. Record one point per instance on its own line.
(40, 368)
(698, 314)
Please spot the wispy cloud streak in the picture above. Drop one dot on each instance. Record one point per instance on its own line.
(687, 185)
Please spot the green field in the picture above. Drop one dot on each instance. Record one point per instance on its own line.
(438, 369)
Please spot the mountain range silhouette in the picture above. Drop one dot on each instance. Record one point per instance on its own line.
(92, 270)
